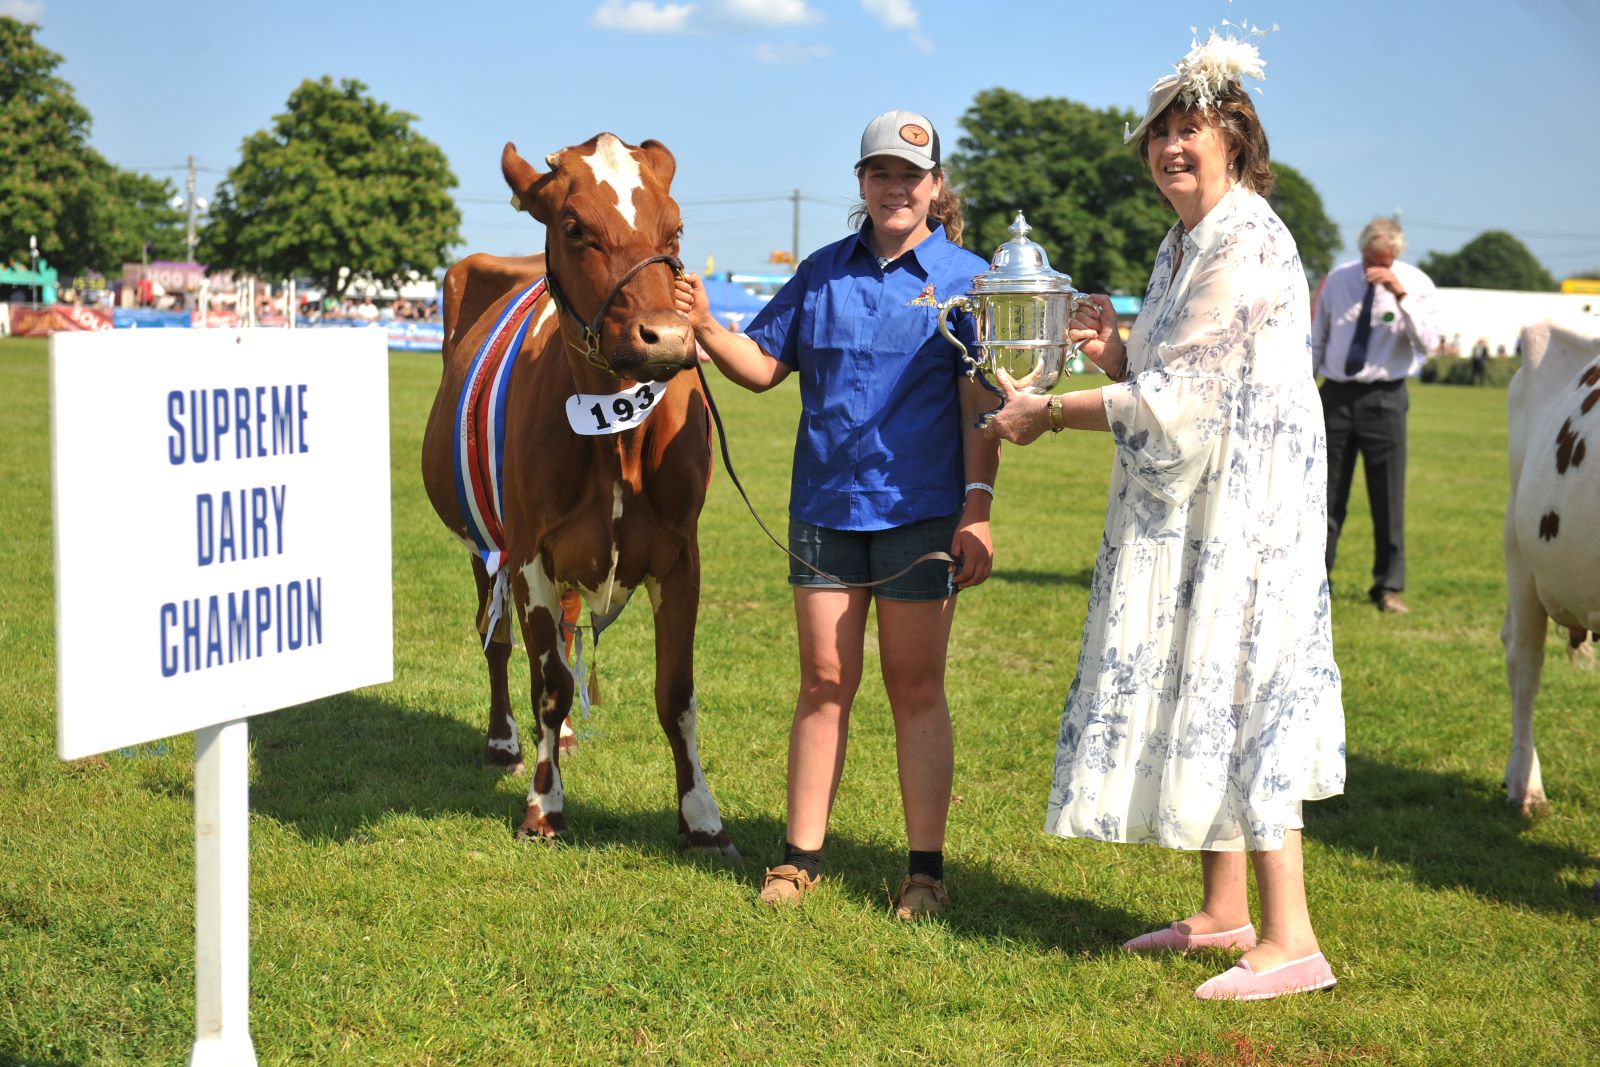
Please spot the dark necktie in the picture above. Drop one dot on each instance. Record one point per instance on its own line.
(1358, 344)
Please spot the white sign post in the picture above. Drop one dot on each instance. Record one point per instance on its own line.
(221, 550)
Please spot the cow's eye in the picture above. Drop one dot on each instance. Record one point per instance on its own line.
(572, 230)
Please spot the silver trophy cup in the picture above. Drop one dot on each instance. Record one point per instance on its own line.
(1022, 308)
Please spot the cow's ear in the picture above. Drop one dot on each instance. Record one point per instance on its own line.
(661, 162)
(523, 180)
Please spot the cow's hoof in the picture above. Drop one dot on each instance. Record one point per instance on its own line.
(716, 846)
(1531, 806)
(537, 826)
(568, 744)
(503, 759)
(505, 768)
(725, 853)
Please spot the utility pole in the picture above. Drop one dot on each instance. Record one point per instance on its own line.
(189, 238)
(794, 247)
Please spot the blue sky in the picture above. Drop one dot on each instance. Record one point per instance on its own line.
(1463, 115)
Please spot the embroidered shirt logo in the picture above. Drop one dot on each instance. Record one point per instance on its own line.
(924, 299)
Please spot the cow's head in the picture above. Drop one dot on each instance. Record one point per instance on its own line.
(606, 209)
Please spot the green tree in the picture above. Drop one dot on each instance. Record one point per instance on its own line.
(1492, 260)
(340, 181)
(136, 217)
(86, 213)
(1089, 197)
(1300, 208)
(47, 168)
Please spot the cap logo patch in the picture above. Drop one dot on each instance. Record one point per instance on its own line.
(911, 133)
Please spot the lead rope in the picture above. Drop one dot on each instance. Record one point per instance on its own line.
(727, 461)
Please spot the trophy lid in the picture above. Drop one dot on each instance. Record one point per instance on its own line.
(1021, 266)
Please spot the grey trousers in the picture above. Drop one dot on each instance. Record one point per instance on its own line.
(1369, 419)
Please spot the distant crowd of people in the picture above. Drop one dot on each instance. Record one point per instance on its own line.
(369, 310)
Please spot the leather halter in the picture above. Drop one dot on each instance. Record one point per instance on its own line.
(591, 330)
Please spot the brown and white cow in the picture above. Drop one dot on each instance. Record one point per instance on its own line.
(598, 515)
(1552, 527)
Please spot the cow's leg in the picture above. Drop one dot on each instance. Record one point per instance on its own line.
(502, 748)
(675, 600)
(539, 608)
(1523, 636)
(571, 604)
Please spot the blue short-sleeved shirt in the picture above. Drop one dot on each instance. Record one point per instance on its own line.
(879, 443)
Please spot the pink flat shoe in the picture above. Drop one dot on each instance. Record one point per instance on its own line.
(1243, 982)
(1173, 939)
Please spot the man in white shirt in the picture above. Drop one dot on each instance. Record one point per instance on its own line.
(1374, 325)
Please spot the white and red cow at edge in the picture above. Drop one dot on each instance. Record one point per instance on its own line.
(560, 500)
(1552, 528)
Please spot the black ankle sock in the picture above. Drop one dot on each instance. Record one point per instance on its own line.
(928, 863)
(810, 862)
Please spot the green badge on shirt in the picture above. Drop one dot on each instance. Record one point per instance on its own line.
(1388, 316)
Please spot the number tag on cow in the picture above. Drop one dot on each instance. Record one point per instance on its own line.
(594, 415)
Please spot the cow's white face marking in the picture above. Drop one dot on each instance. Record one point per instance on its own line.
(614, 166)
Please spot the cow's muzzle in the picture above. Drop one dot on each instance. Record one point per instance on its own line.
(591, 329)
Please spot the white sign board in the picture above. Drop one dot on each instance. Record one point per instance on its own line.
(221, 526)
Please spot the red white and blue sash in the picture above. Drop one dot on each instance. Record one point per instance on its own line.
(480, 441)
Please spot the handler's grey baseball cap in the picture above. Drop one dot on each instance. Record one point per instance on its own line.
(903, 134)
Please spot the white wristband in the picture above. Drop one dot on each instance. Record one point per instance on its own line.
(985, 486)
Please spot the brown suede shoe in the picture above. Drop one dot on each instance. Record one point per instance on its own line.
(1390, 603)
(786, 884)
(920, 896)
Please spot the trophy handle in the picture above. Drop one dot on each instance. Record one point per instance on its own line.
(962, 302)
(974, 367)
(1074, 347)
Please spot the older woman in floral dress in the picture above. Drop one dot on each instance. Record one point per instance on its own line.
(1206, 706)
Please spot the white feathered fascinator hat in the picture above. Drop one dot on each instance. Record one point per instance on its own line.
(1206, 72)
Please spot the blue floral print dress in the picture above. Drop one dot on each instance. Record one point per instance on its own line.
(1207, 705)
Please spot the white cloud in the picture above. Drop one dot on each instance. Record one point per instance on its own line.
(899, 15)
(790, 53)
(639, 16)
(763, 12)
(23, 10)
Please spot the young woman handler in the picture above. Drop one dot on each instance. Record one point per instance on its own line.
(888, 465)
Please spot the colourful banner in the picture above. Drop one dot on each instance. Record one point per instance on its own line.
(149, 318)
(54, 318)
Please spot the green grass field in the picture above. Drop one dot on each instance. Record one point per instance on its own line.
(395, 921)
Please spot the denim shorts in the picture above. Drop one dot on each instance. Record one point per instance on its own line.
(867, 555)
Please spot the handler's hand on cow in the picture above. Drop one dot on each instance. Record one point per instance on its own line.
(1021, 418)
(690, 300)
(973, 549)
